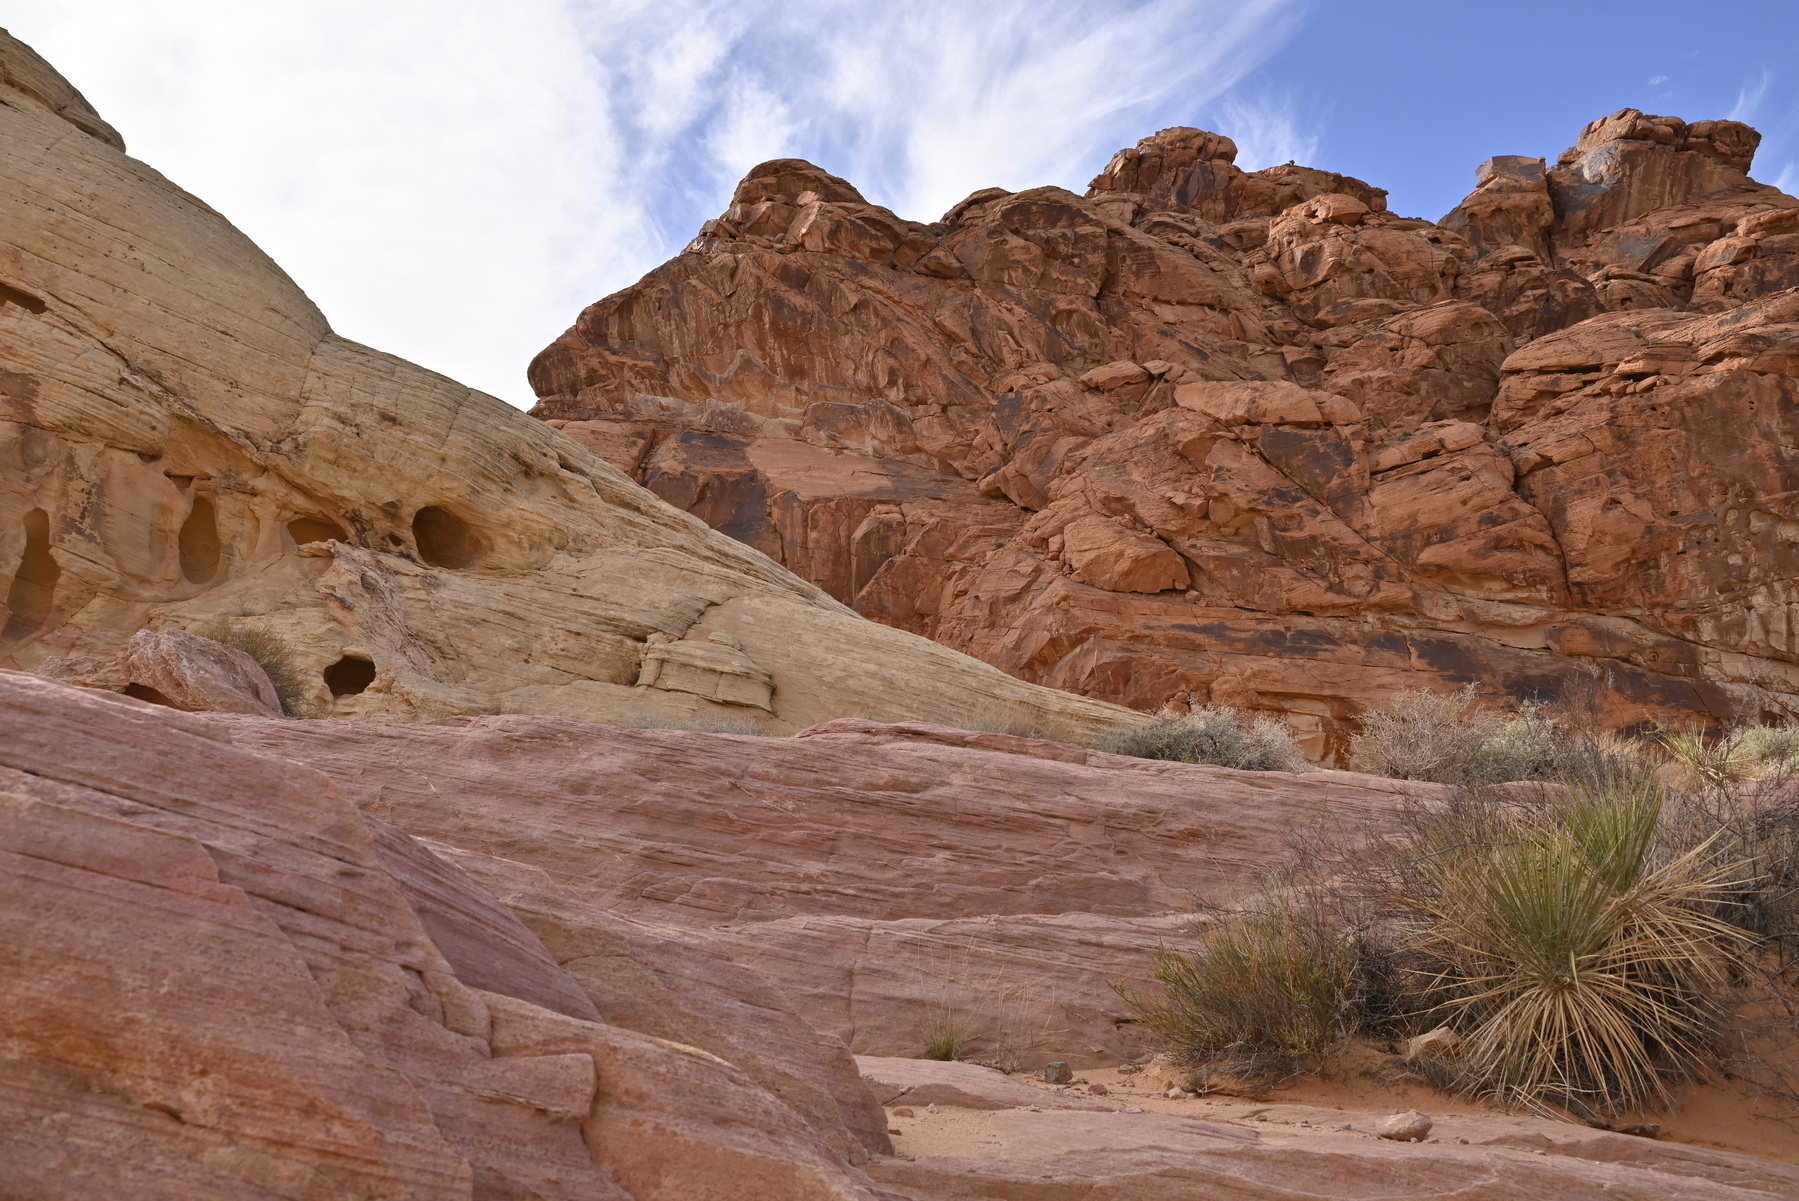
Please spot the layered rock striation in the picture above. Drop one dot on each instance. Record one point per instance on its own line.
(185, 445)
(1248, 436)
(496, 958)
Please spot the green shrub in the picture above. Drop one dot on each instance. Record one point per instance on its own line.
(1217, 735)
(1266, 988)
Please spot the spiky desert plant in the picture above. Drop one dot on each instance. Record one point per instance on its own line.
(1581, 961)
(1706, 759)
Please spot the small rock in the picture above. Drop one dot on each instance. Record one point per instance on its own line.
(1098, 1090)
(1462, 1141)
(1174, 1094)
(1057, 1072)
(904, 1111)
(1133, 1109)
(1437, 1044)
(933, 1109)
(894, 1130)
(1410, 1127)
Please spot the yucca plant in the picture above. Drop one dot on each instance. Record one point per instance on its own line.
(1707, 760)
(1581, 961)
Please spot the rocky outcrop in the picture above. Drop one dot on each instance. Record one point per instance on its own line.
(220, 981)
(1250, 437)
(185, 444)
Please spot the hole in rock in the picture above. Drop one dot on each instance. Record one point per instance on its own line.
(144, 692)
(199, 542)
(24, 300)
(33, 590)
(313, 529)
(349, 676)
(444, 539)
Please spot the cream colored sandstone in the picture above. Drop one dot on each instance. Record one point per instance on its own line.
(183, 439)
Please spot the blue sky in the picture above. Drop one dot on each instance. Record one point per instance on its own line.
(453, 179)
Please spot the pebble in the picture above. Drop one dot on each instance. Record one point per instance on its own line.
(1409, 1127)
(1133, 1109)
(1058, 1072)
(1098, 1090)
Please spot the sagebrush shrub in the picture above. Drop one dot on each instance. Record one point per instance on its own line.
(1265, 987)
(1217, 735)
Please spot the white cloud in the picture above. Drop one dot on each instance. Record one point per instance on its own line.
(1267, 132)
(1751, 94)
(452, 180)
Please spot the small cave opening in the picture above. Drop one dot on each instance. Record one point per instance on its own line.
(349, 675)
(144, 692)
(444, 539)
(33, 592)
(198, 542)
(314, 529)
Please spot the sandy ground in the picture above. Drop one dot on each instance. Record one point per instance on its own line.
(1715, 1117)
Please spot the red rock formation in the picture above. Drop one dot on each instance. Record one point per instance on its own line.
(1248, 436)
(218, 981)
(872, 873)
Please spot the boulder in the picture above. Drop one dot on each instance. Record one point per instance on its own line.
(178, 669)
(1408, 1127)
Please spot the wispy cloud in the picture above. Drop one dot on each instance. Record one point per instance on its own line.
(1268, 131)
(1750, 95)
(451, 179)
(920, 103)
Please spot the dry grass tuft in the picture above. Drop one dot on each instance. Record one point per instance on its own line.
(271, 654)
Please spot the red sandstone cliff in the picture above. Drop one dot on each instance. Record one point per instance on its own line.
(1248, 435)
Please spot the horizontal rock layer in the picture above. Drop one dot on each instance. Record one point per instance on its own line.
(1209, 434)
(219, 979)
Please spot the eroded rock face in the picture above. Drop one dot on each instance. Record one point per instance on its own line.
(1248, 436)
(219, 981)
(878, 876)
(184, 442)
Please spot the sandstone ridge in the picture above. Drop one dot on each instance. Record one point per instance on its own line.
(1248, 436)
(508, 957)
(185, 445)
